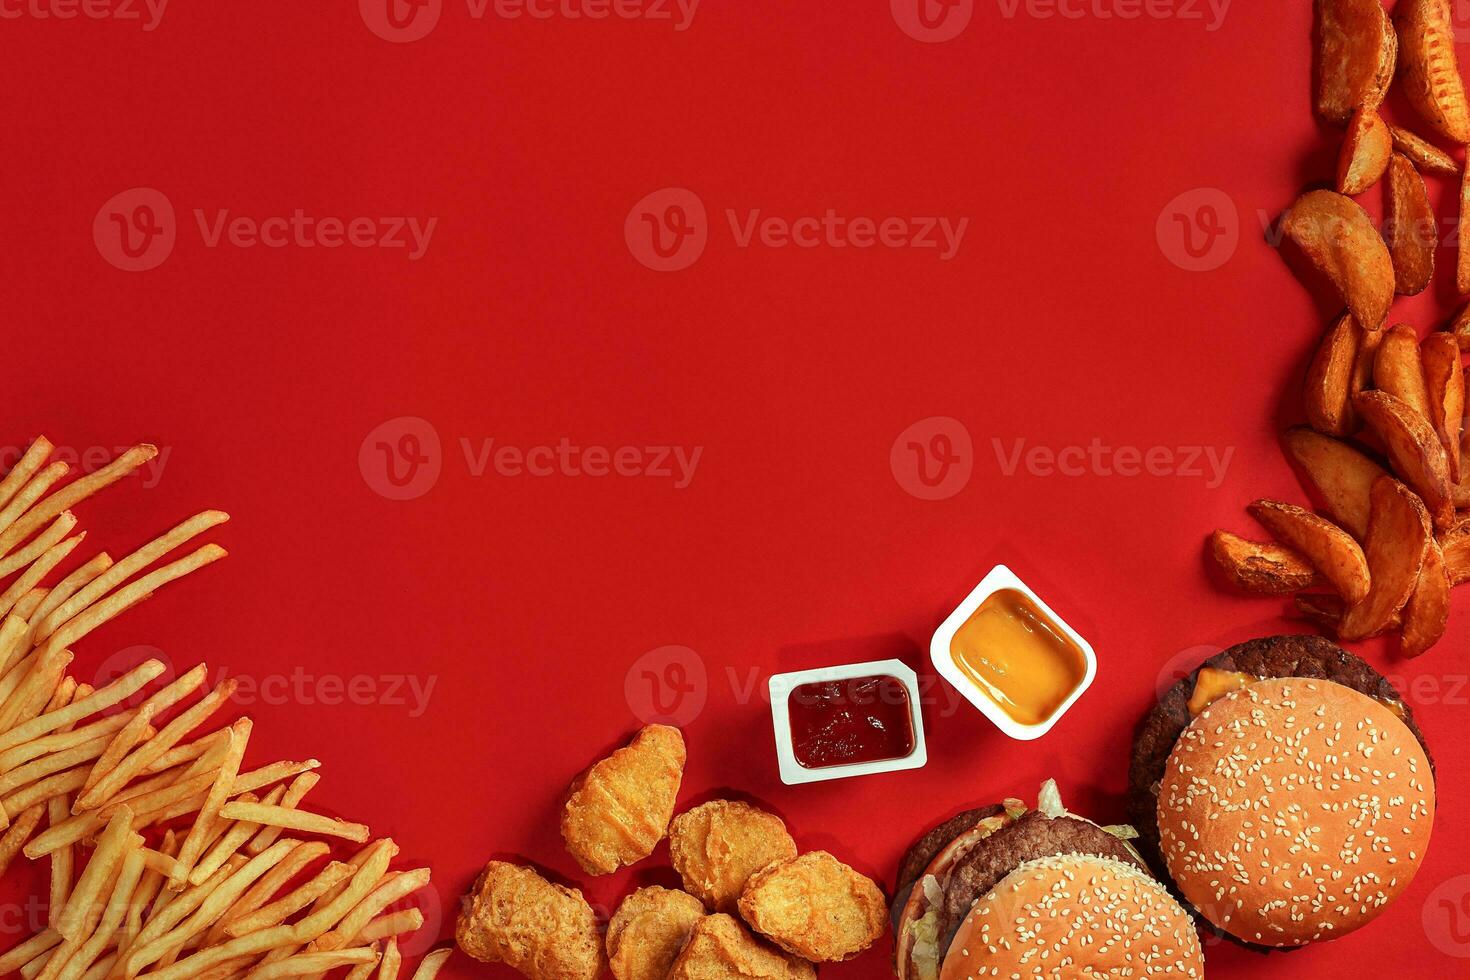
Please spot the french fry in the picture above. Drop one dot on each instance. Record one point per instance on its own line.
(26, 605)
(291, 819)
(1328, 395)
(1429, 72)
(391, 890)
(62, 864)
(1341, 241)
(362, 971)
(392, 924)
(1426, 157)
(20, 474)
(1414, 450)
(233, 838)
(273, 914)
(42, 942)
(73, 494)
(1444, 380)
(306, 964)
(134, 733)
(76, 917)
(119, 690)
(1356, 50)
(12, 641)
(431, 964)
(1399, 370)
(29, 697)
(130, 595)
(123, 570)
(209, 814)
(67, 588)
(391, 961)
(302, 855)
(145, 754)
(1427, 614)
(1365, 152)
(115, 913)
(294, 794)
(158, 934)
(1410, 228)
(13, 841)
(34, 489)
(1398, 536)
(47, 539)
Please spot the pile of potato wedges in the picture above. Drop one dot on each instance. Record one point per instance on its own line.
(1386, 451)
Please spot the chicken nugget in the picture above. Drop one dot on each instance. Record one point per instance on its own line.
(816, 907)
(648, 930)
(617, 811)
(720, 948)
(717, 846)
(516, 917)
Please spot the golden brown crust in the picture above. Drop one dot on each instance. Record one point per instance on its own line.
(516, 917)
(1429, 71)
(717, 846)
(720, 948)
(617, 811)
(816, 907)
(648, 930)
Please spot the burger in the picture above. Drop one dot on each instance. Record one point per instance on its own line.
(1005, 890)
(1285, 790)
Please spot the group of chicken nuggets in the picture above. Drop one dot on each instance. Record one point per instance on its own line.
(752, 907)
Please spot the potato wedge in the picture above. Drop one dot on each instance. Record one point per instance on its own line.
(1339, 239)
(1462, 267)
(1399, 370)
(1414, 451)
(1368, 344)
(1326, 610)
(1455, 546)
(1461, 490)
(1260, 567)
(1427, 615)
(1444, 379)
(1328, 395)
(1428, 158)
(1355, 50)
(1410, 228)
(1365, 152)
(1459, 328)
(1398, 536)
(1330, 549)
(1341, 475)
(1429, 71)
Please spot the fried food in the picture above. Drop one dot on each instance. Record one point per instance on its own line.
(1444, 380)
(648, 930)
(617, 811)
(1427, 614)
(1398, 537)
(1414, 450)
(1355, 54)
(1260, 567)
(1328, 394)
(1410, 228)
(516, 917)
(1399, 371)
(717, 846)
(1427, 157)
(1340, 239)
(1330, 549)
(1429, 72)
(1340, 474)
(720, 948)
(815, 907)
(1365, 152)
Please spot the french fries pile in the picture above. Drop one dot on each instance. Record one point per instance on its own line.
(167, 858)
(1386, 450)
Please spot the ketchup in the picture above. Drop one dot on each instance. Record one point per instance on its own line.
(862, 719)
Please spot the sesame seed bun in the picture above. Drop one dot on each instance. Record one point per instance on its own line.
(1076, 916)
(1295, 810)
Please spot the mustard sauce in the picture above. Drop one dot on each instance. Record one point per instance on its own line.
(1018, 656)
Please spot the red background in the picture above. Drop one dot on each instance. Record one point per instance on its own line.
(527, 600)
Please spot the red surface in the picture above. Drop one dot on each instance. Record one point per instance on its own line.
(527, 600)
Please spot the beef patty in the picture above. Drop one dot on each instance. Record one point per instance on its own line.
(1276, 656)
(1033, 836)
(923, 853)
